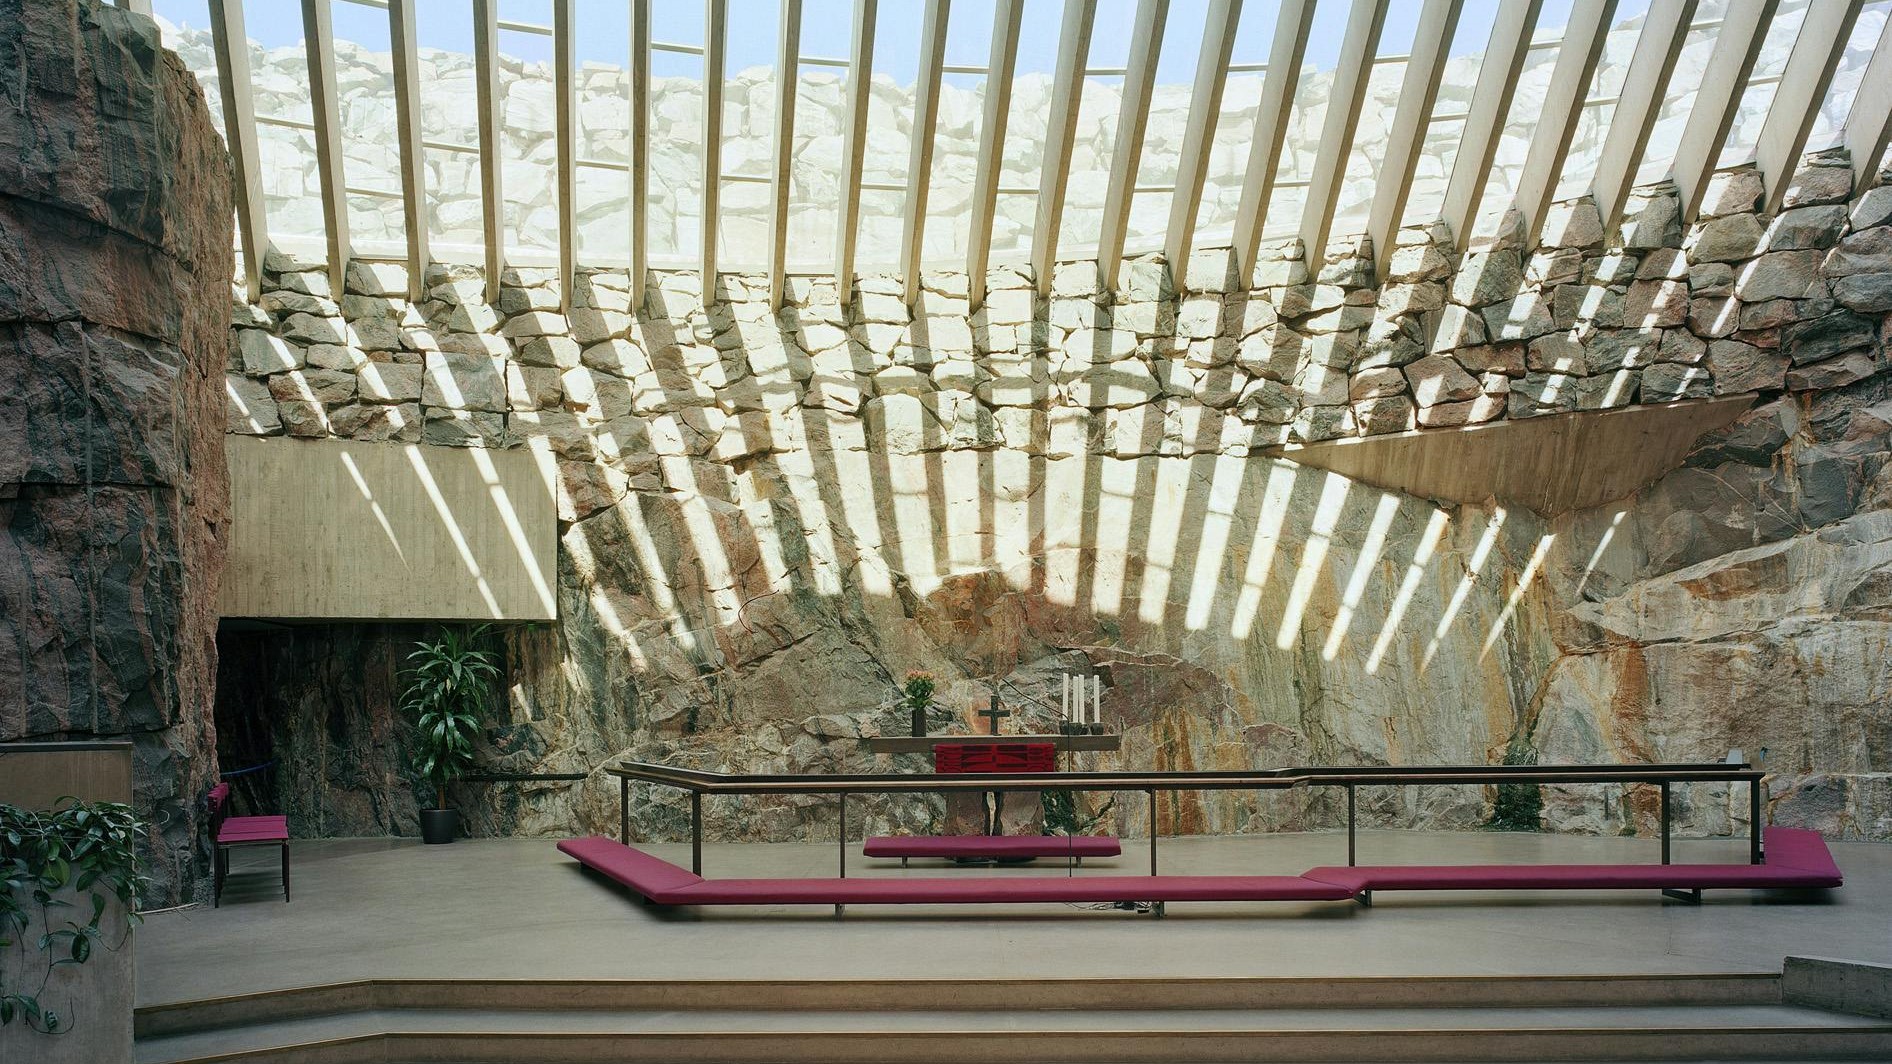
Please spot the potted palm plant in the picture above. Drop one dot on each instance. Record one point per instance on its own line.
(450, 682)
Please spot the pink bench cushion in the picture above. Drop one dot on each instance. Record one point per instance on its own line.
(1813, 867)
(667, 884)
(992, 846)
(953, 890)
(253, 829)
(653, 877)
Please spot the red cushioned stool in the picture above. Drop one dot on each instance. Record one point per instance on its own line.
(227, 832)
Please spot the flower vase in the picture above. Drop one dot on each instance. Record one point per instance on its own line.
(919, 720)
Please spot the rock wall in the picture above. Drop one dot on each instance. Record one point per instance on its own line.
(115, 254)
(767, 518)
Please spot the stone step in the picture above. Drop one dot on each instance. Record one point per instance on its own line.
(958, 995)
(914, 1036)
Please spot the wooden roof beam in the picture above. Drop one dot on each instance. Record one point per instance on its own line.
(1484, 121)
(1869, 121)
(402, 44)
(1293, 22)
(1133, 116)
(231, 43)
(565, 136)
(1406, 140)
(1067, 88)
(318, 40)
(1338, 126)
(787, 73)
(640, 151)
(1664, 31)
(920, 151)
(1584, 37)
(1718, 100)
(1816, 54)
(1007, 16)
(715, 39)
(1205, 105)
(491, 160)
(860, 77)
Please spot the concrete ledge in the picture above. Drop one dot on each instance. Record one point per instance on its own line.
(1840, 986)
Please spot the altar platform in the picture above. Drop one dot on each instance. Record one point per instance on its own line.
(511, 909)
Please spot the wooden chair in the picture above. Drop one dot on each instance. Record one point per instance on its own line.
(228, 832)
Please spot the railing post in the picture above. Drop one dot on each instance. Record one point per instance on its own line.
(1664, 785)
(696, 832)
(1152, 794)
(624, 810)
(842, 836)
(1754, 821)
(1350, 831)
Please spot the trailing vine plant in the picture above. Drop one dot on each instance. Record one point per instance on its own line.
(88, 847)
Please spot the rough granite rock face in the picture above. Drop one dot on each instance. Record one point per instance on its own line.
(768, 516)
(115, 254)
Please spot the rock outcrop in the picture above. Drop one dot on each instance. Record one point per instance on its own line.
(115, 254)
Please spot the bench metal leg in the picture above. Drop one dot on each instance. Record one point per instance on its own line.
(1693, 897)
(1365, 898)
(1156, 909)
(840, 910)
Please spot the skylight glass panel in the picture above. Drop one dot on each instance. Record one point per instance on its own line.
(814, 184)
(370, 134)
(285, 138)
(1599, 101)
(1171, 98)
(601, 37)
(1235, 125)
(1385, 79)
(1305, 118)
(1684, 84)
(1027, 125)
(450, 132)
(1096, 139)
(1776, 46)
(1830, 123)
(674, 207)
(962, 91)
(889, 133)
(1526, 114)
(749, 61)
(527, 118)
(1445, 131)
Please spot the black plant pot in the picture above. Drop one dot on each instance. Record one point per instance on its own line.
(438, 826)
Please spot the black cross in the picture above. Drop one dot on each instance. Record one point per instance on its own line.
(993, 713)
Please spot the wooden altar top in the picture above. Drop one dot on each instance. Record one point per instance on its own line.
(922, 744)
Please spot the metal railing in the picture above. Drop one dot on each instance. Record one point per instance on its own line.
(699, 783)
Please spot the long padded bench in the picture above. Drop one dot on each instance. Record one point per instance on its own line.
(991, 847)
(1796, 859)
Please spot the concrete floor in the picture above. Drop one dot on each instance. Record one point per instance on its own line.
(518, 909)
